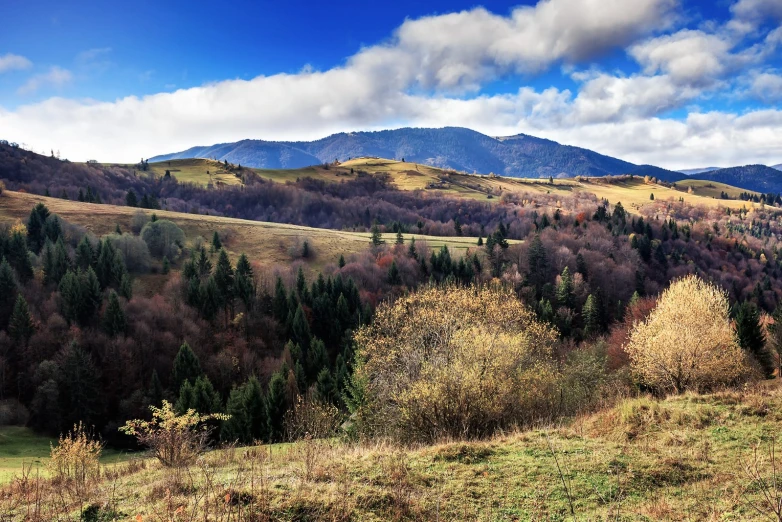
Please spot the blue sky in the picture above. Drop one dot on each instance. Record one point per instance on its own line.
(675, 83)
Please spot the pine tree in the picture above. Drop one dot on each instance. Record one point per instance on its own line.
(276, 406)
(565, 295)
(538, 265)
(393, 274)
(126, 287)
(300, 329)
(203, 264)
(341, 262)
(224, 280)
(751, 336)
(317, 359)
(186, 367)
(89, 295)
(255, 406)
(8, 290)
(411, 251)
(457, 227)
(130, 199)
(591, 314)
(581, 267)
(85, 254)
(280, 301)
(114, 321)
(480, 241)
(305, 249)
(19, 258)
(236, 428)
(80, 392)
(209, 299)
(21, 326)
(326, 386)
(216, 243)
(60, 263)
(244, 284)
(377, 237)
(35, 227)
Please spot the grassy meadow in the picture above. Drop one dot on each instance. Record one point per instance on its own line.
(687, 457)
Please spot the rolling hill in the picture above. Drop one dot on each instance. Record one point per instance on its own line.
(449, 148)
(758, 178)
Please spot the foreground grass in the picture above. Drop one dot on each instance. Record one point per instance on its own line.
(682, 458)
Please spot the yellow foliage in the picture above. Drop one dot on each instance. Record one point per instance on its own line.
(19, 227)
(455, 362)
(687, 341)
(76, 457)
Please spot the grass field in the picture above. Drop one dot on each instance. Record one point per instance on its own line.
(268, 243)
(21, 448)
(633, 194)
(688, 457)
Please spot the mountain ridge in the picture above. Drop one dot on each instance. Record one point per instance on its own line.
(455, 148)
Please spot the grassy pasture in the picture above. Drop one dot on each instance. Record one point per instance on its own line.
(268, 243)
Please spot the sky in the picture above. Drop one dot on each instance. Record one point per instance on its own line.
(674, 83)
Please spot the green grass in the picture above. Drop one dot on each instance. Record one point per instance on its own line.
(21, 448)
(198, 171)
(680, 458)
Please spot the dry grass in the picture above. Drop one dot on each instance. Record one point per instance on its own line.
(689, 457)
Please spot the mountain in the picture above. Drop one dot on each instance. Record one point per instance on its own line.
(690, 172)
(759, 178)
(451, 147)
(778, 167)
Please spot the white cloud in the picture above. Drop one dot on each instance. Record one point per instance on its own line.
(748, 14)
(420, 76)
(55, 77)
(12, 62)
(767, 87)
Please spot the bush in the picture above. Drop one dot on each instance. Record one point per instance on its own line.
(164, 238)
(76, 458)
(453, 362)
(175, 440)
(687, 342)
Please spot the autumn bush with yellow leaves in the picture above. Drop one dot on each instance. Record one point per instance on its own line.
(454, 362)
(687, 342)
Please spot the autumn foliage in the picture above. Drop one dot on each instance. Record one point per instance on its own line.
(687, 342)
(454, 362)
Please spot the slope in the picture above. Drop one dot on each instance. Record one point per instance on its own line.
(758, 178)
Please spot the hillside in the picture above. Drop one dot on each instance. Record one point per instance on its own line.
(758, 178)
(450, 148)
(642, 459)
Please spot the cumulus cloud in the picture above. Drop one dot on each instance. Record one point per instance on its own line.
(13, 62)
(767, 87)
(55, 77)
(430, 72)
(748, 14)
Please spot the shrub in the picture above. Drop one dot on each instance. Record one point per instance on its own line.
(164, 238)
(138, 221)
(76, 458)
(687, 341)
(175, 440)
(453, 362)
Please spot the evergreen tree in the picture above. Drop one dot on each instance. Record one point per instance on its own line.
(775, 337)
(216, 243)
(186, 367)
(276, 406)
(203, 264)
(236, 428)
(224, 280)
(411, 252)
(80, 392)
(341, 262)
(300, 329)
(538, 265)
(126, 287)
(114, 321)
(35, 227)
(480, 241)
(90, 296)
(255, 406)
(326, 386)
(400, 240)
(565, 295)
(393, 274)
(377, 237)
(8, 290)
(209, 299)
(244, 284)
(21, 326)
(85, 254)
(305, 249)
(581, 266)
(60, 263)
(280, 301)
(19, 258)
(199, 396)
(317, 359)
(130, 199)
(751, 336)
(591, 314)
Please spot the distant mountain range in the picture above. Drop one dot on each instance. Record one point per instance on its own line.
(469, 151)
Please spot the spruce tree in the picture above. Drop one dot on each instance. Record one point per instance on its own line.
(255, 405)
(203, 264)
(276, 406)
(155, 390)
(209, 299)
(21, 325)
(216, 243)
(114, 321)
(411, 251)
(90, 296)
(341, 261)
(126, 287)
(70, 297)
(591, 314)
(326, 386)
(538, 266)
(317, 358)
(400, 240)
(300, 329)
(393, 274)
(751, 336)
(280, 301)
(19, 257)
(85, 254)
(80, 392)
(131, 199)
(565, 295)
(186, 367)
(8, 290)
(236, 428)
(224, 280)
(377, 237)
